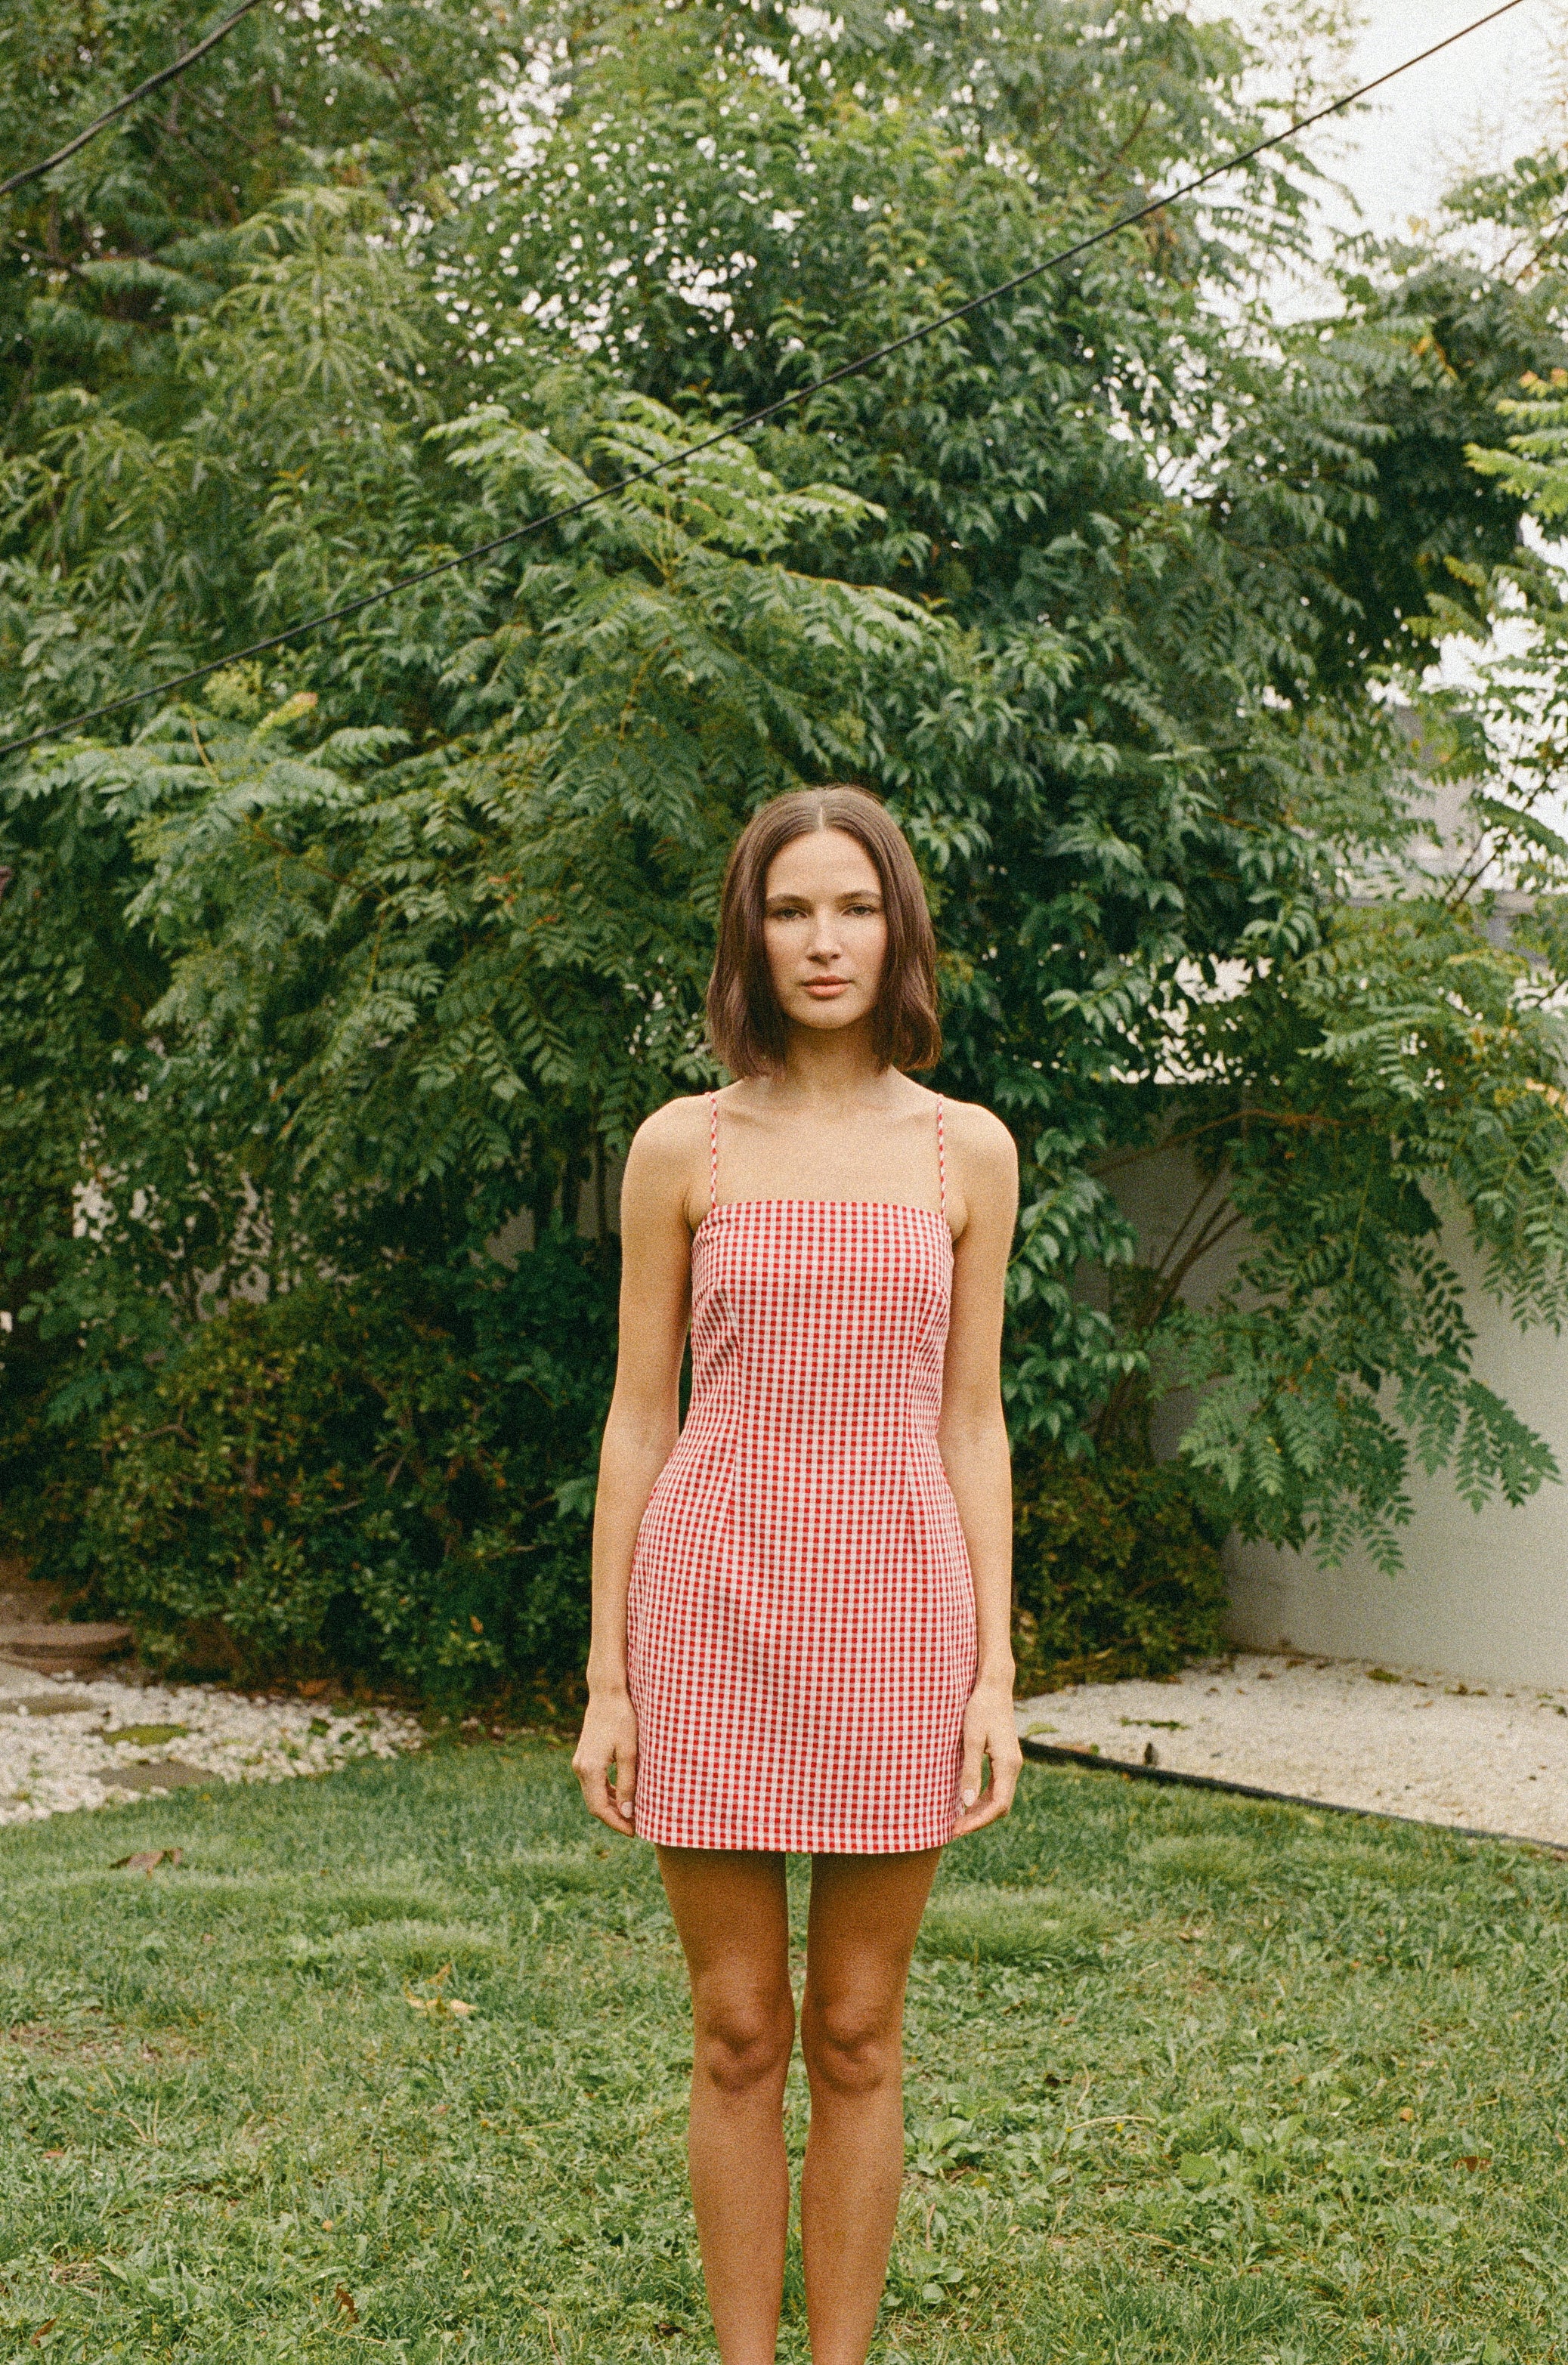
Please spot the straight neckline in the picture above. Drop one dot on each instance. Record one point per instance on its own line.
(899, 1206)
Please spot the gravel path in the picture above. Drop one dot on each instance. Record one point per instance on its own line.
(1408, 1742)
(59, 1748)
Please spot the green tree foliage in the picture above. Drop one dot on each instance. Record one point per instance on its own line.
(341, 963)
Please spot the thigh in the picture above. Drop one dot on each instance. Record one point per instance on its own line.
(865, 1918)
(732, 1911)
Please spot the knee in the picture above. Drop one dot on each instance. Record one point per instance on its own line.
(850, 2048)
(741, 2043)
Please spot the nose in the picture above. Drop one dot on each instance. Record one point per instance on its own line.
(824, 934)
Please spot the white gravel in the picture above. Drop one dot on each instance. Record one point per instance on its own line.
(1488, 1758)
(58, 1749)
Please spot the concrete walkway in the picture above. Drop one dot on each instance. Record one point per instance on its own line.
(1405, 1741)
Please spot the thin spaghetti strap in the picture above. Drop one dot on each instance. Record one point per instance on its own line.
(941, 1157)
(713, 1151)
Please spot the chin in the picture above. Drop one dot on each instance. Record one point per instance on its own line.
(828, 1018)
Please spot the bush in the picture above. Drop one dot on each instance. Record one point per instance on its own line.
(1116, 1571)
(392, 1476)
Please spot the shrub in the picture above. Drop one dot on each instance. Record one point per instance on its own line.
(1116, 1571)
(393, 1475)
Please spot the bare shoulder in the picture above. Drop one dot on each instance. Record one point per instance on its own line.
(983, 1143)
(674, 1130)
(982, 1162)
(670, 1149)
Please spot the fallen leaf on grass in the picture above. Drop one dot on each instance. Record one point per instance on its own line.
(41, 2334)
(345, 2299)
(148, 1860)
(441, 2002)
(1472, 2160)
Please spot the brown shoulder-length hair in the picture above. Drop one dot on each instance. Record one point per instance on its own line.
(745, 1026)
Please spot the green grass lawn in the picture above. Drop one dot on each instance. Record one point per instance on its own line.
(1190, 2079)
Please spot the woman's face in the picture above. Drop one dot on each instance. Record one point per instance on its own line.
(825, 929)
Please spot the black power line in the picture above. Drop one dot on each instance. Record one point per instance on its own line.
(142, 90)
(756, 418)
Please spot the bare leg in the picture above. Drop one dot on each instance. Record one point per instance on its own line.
(731, 1910)
(866, 1911)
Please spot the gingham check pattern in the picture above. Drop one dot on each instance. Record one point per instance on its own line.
(801, 1622)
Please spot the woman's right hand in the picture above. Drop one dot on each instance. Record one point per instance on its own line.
(609, 1738)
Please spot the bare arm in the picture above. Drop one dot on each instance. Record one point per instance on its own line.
(639, 1434)
(974, 1439)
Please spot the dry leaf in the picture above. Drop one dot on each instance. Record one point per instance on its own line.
(41, 2334)
(148, 1860)
(1472, 2160)
(346, 2301)
(441, 2002)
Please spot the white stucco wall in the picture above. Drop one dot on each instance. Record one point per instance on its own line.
(1482, 1598)
(1482, 1595)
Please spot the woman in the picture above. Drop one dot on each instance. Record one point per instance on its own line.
(801, 1632)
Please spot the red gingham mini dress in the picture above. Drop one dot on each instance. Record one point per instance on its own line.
(800, 1623)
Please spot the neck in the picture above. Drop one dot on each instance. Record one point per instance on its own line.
(827, 1067)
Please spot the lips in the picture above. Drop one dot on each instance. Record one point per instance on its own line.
(824, 987)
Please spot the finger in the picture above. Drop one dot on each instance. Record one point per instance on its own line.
(1005, 1773)
(593, 1777)
(990, 1810)
(601, 1804)
(626, 1781)
(970, 1778)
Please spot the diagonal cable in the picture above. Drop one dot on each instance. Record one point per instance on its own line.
(770, 410)
(142, 90)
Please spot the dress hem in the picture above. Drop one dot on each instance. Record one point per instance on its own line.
(774, 1846)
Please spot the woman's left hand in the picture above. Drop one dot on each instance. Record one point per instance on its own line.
(991, 1729)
